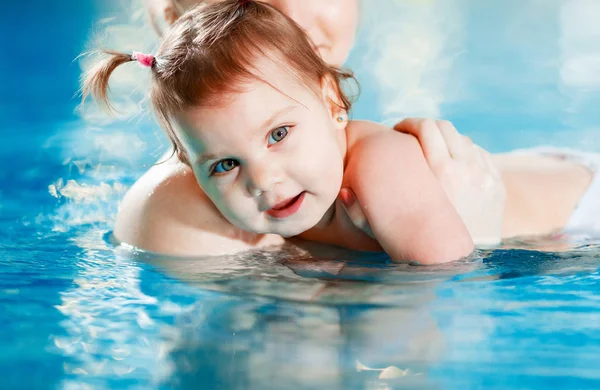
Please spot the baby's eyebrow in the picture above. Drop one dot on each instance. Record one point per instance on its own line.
(203, 158)
(269, 122)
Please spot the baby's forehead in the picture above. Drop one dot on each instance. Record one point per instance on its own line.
(250, 107)
(274, 70)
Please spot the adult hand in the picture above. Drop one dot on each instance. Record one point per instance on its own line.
(466, 172)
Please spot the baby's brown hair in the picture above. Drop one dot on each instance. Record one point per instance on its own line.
(209, 51)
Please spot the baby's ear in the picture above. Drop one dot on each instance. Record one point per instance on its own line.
(331, 96)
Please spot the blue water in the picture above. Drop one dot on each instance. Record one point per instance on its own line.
(78, 313)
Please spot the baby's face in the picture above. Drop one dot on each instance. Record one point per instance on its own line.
(270, 157)
(331, 24)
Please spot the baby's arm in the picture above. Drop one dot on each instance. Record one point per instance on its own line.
(405, 205)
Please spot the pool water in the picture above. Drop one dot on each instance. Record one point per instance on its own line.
(78, 312)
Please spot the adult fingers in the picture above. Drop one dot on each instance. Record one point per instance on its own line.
(487, 159)
(459, 146)
(430, 138)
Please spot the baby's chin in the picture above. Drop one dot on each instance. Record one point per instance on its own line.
(320, 217)
(296, 228)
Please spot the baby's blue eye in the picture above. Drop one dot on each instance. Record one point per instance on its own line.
(278, 134)
(225, 166)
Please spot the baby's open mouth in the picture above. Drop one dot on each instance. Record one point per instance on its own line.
(287, 207)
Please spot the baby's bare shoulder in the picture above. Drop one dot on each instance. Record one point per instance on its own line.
(372, 138)
(358, 130)
(376, 151)
(167, 212)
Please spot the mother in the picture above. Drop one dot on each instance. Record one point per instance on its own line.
(153, 219)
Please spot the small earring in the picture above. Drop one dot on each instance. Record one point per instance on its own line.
(340, 119)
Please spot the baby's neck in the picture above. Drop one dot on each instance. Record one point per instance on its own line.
(336, 227)
(326, 229)
(327, 220)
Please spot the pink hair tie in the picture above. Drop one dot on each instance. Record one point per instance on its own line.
(143, 59)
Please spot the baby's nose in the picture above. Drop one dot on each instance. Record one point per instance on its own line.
(262, 178)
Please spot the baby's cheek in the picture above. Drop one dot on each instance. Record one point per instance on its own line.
(218, 196)
(232, 208)
(331, 177)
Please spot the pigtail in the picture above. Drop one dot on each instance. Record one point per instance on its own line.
(95, 80)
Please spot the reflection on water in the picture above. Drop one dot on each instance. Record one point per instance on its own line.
(251, 321)
(302, 320)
